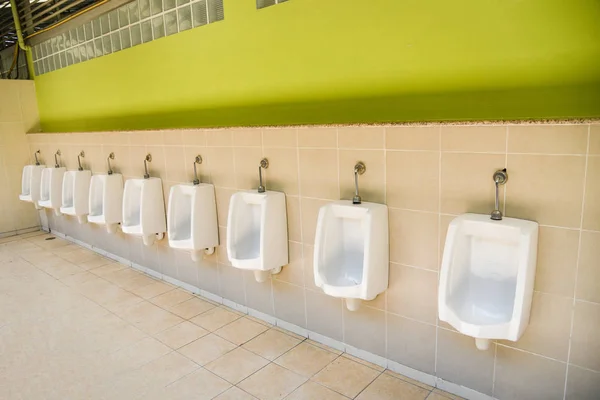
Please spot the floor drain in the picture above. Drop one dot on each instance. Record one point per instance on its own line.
(50, 238)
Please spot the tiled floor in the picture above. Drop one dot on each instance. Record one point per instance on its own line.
(74, 325)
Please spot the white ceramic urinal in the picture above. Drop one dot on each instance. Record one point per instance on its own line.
(257, 232)
(144, 209)
(487, 276)
(51, 188)
(106, 201)
(351, 256)
(192, 219)
(30, 184)
(76, 193)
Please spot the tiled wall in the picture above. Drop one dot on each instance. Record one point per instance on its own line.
(426, 175)
(18, 114)
(134, 23)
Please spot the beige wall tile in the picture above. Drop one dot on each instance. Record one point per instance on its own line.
(365, 329)
(319, 173)
(194, 137)
(282, 174)
(172, 138)
(294, 219)
(557, 261)
(412, 180)
(361, 138)
(548, 139)
(414, 238)
(231, 283)
(411, 343)
(279, 137)
(582, 384)
(175, 164)
(219, 137)
(289, 303)
(246, 161)
(310, 212)
(324, 314)
(467, 184)
(487, 139)
(259, 295)
(413, 138)
(223, 197)
(10, 110)
(293, 272)
(594, 139)
(532, 189)
(309, 272)
(247, 137)
(549, 327)
(459, 361)
(317, 137)
(591, 211)
(585, 340)
(588, 279)
(29, 108)
(412, 293)
(372, 183)
(222, 170)
(521, 375)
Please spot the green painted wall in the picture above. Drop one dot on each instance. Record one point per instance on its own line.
(343, 61)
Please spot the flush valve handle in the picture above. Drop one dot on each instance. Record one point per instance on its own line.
(146, 161)
(37, 162)
(500, 178)
(111, 156)
(264, 164)
(79, 156)
(58, 153)
(359, 169)
(197, 160)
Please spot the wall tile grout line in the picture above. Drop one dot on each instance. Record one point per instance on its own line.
(578, 262)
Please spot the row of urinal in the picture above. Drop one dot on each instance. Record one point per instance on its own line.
(487, 272)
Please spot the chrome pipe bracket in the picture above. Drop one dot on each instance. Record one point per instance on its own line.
(500, 177)
(359, 169)
(146, 161)
(56, 155)
(79, 156)
(37, 162)
(197, 160)
(111, 156)
(264, 164)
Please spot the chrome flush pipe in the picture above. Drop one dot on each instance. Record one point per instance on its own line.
(197, 160)
(111, 156)
(56, 164)
(37, 162)
(264, 164)
(500, 178)
(359, 169)
(81, 154)
(146, 161)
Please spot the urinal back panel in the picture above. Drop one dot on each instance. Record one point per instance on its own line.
(96, 193)
(68, 189)
(132, 202)
(247, 230)
(26, 180)
(45, 184)
(180, 213)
